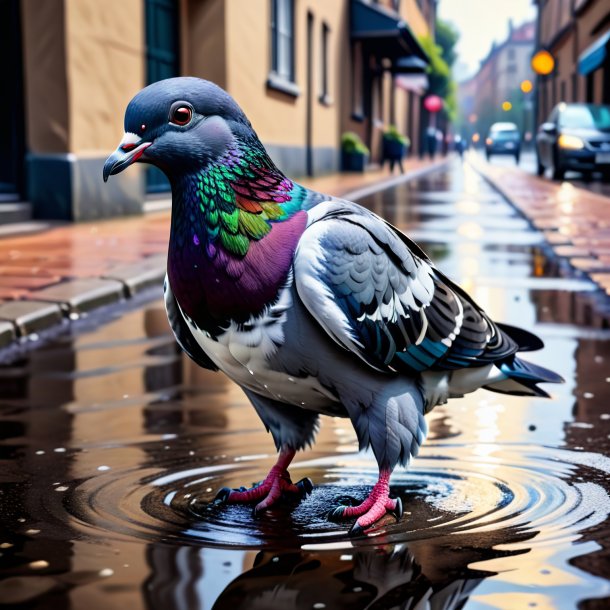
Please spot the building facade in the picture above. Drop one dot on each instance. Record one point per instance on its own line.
(497, 81)
(304, 71)
(577, 34)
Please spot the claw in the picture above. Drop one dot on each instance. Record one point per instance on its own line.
(397, 511)
(223, 495)
(356, 530)
(335, 514)
(305, 486)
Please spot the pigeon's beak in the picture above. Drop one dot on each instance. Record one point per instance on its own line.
(129, 151)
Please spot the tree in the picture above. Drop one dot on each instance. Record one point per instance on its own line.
(446, 38)
(440, 80)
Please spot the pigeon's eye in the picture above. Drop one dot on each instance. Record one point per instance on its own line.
(180, 114)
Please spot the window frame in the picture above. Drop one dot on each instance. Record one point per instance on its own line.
(279, 78)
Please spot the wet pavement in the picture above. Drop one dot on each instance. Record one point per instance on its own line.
(112, 445)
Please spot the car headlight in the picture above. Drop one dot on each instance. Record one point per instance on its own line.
(570, 142)
(489, 141)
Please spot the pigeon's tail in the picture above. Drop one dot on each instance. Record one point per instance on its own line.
(527, 342)
(522, 378)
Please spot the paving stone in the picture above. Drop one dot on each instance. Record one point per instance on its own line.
(138, 276)
(30, 316)
(81, 295)
(7, 333)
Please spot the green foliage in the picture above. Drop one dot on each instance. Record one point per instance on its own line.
(392, 133)
(440, 80)
(446, 38)
(352, 143)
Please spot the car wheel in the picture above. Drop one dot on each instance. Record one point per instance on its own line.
(539, 166)
(558, 171)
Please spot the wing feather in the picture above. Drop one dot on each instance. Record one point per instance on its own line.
(379, 296)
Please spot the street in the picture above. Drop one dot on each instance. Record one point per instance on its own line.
(114, 445)
(527, 163)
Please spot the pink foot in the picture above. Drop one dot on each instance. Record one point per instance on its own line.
(372, 509)
(270, 490)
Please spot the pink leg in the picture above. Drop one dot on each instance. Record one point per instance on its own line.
(268, 491)
(373, 508)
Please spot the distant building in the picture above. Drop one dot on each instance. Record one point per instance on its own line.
(577, 34)
(498, 81)
(304, 71)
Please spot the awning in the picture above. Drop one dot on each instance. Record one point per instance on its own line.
(417, 83)
(594, 56)
(383, 32)
(409, 65)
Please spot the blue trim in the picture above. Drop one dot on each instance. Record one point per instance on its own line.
(594, 56)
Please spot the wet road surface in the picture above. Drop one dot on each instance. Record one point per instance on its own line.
(112, 446)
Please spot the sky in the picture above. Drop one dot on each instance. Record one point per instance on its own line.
(480, 22)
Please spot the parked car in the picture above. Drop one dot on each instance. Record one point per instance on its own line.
(503, 139)
(575, 137)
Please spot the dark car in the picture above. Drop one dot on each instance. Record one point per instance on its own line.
(503, 139)
(575, 137)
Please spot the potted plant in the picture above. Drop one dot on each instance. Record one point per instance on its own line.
(354, 153)
(395, 145)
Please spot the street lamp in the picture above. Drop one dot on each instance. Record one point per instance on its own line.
(526, 86)
(506, 106)
(543, 62)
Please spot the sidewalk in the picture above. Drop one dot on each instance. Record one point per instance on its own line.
(574, 221)
(58, 273)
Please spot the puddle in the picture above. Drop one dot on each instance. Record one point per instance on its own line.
(112, 445)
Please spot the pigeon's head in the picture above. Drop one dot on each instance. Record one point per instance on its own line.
(180, 125)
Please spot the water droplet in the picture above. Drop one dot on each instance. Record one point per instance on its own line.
(588, 395)
(605, 416)
(103, 467)
(106, 572)
(5, 545)
(275, 559)
(62, 488)
(208, 489)
(251, 371)
(319, 606)
(74, 316)
(38, 565)
(357, 589)
(191, 453)
(32, 532)
(40, 452)
(346, 557)
(59, 449)
(291, 379)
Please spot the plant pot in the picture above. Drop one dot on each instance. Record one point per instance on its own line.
(393, 150)
(353, 161)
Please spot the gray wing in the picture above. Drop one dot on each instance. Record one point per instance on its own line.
(378, 295)
(183, 335)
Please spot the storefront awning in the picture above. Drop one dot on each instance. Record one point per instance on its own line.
(409, 65)
(383, 32)
(593, 57)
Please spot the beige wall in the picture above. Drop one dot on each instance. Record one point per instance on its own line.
(46, 88)
(203, 40)
(83, 63)
(277, 117)
(105, 66)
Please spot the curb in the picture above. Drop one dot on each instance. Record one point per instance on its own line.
(595, 276)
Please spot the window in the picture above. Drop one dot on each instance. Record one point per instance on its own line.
(324, 94)
(282, 40)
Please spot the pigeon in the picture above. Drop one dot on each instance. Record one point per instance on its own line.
(312, 304)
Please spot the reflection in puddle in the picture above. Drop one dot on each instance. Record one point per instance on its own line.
(112, 444)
